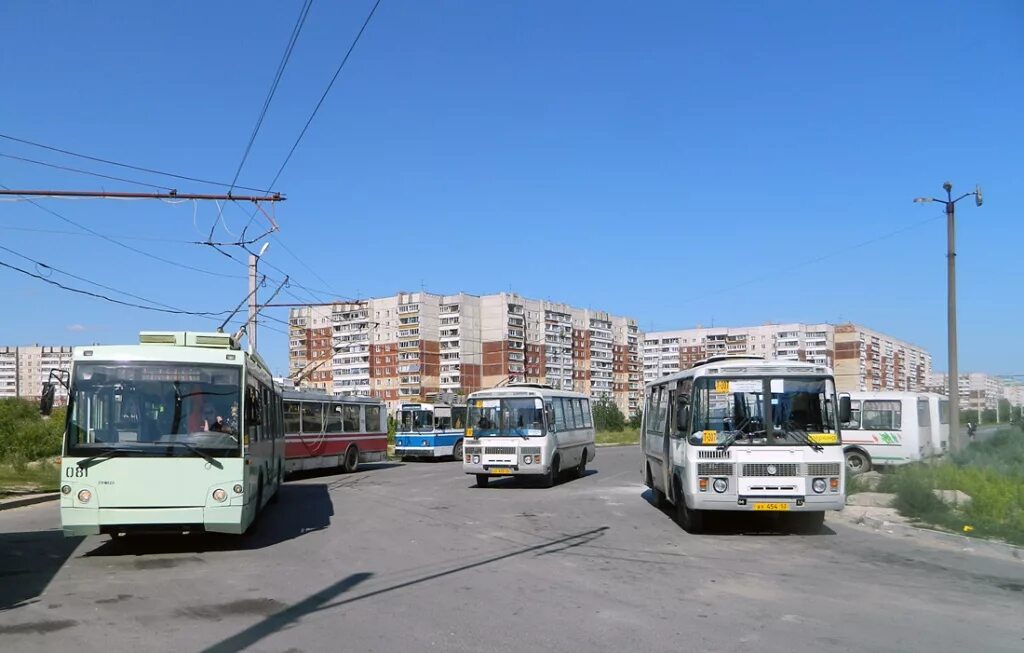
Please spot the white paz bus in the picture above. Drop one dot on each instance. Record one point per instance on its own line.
(745, 434)
(182, 432)
(525, 429)
(894, 428)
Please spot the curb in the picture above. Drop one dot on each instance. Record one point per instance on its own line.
(9, 504)
(964, 543)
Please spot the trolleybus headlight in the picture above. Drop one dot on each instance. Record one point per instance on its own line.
(65, 489)
(84, 496)
(219, 495)
(237, 488)
(818, 485)
(527, 460)
(721, 485)
(476, 460)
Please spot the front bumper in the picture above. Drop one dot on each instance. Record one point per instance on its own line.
(93, 521)
(418, 452)
(740, 503)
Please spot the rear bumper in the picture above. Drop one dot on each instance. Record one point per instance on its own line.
(93, 521)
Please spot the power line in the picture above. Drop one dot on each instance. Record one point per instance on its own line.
(84, 172)
(128, 247)
(326, 91)
(61, 232)
(292, 40)
(129, 166)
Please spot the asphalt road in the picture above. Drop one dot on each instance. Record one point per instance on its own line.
(413, 558)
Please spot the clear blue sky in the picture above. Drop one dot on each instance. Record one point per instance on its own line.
(681, 164)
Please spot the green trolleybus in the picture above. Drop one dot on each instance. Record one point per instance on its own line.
(182, 432)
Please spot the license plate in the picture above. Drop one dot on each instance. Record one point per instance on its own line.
(774, 507)
(500, 470)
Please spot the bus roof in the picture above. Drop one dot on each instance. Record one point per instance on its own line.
(745, 366)
(525, 390)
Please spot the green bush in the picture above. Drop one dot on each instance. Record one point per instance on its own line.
(25, 435)
(607, 416)
(991, 472)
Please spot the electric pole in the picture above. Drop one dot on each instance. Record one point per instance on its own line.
(250, 328)
(955, 437)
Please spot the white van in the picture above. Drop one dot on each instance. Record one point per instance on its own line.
(892, 428)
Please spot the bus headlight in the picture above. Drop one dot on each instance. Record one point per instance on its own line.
(84, 496)
(238, 488)
(527, 460)
(219, 495)
(818, 485)
(720, 485)
(65, 489)
(476, 460)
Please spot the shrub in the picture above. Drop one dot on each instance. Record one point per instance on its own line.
(608, 417)
(25, 435)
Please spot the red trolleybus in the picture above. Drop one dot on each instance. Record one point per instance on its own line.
(323, 431)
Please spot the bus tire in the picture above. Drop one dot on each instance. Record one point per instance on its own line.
(691, 520)
(481, 480)
(581, 469)
(551, 478)
(857, 461)
(457, 450)
(351, 459)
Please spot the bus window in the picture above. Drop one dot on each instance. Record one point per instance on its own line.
(924, 416)
(943, 411)
(556, 404)
(312, 417)
(458, 417)
(882, 415)
(588, 420)
(350, 415)
(373, 419)
(333, 418)
(854, 422)
(577, 410)
(292, 420)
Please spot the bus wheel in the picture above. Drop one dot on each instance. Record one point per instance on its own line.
(581, 469)
(351, 459)
(857, 461)
(691, 520)
(457, 450)
(481, 480)
(551, 478)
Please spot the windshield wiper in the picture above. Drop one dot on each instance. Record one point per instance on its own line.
(801, 436)
(107, 452)
(194, 449)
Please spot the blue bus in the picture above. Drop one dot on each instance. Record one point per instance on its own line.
(430, 430)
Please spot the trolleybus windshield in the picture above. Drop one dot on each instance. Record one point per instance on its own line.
(166, 409)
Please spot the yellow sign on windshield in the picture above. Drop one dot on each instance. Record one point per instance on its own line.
(822, 438)
(709, 437)
(721, 386)
(469, 431)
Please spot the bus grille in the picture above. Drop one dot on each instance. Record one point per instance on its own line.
(500, 451)
(823, 469)
(529, 451)
(761, 469)
(713, 454)
(472, 450)
(715, 469)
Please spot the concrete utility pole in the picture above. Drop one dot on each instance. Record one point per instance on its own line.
(955, 437)
(250, 328)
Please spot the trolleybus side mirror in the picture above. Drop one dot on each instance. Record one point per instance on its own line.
(844, 409)
(46, 398)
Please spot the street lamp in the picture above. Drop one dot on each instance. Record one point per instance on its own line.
(954, 378)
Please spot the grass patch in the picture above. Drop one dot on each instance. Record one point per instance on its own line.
(30, 479)
(991, 472)
(627, 436)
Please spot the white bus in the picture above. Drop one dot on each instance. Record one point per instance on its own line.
(894, 428)
(182, 433)
(744, 434)
(526, 429)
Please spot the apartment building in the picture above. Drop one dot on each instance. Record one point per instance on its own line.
(978, 391)
(24, 370)
(310, 338)
(861, 358)
(415, 346)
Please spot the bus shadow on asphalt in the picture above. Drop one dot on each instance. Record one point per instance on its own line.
(743, 523)
(28, 562)
(532, 482)
(364, 468)
(300, 509)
